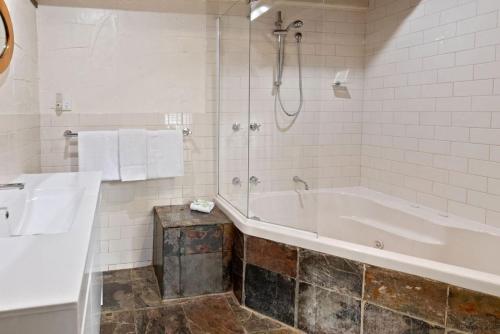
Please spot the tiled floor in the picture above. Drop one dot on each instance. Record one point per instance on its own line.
(132, 305)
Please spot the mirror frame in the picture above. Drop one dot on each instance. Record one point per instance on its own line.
(7, 55)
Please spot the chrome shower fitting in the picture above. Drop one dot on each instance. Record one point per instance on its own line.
(254, 180)
(281, 34)
(297, 179)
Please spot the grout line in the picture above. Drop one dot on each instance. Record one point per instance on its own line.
(362, 320)
(297, 290)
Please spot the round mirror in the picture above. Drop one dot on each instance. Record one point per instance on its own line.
(3, 36)
(6, 37)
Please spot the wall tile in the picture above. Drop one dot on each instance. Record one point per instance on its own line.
(331, 272)
(473, 311)
(273, 256)
(323, 311)
(201, 239)
(379, 320)
(201, 274)
(270, 293)
(412, 295)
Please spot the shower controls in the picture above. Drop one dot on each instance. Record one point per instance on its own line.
(236, 127)
(254, 180)
(236, 181)
(255, 126)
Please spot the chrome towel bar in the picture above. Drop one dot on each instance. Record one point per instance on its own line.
(71, 134)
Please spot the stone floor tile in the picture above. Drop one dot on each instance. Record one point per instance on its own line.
(251, 321)
(118, 296)
(146, 293)
(211, 315)
(162, 320)
(121, 322)
(117, 276)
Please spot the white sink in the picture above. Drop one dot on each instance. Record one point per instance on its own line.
(48, 248)
(38, 211)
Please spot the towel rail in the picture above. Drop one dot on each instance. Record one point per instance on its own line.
(70, 134)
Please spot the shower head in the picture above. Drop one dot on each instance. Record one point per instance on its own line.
(297, 24)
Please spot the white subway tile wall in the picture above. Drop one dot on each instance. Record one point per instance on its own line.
(323, 146)
(431, 134)
(19, 113)
(124, 69)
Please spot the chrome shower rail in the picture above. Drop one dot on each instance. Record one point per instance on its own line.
(70, 134)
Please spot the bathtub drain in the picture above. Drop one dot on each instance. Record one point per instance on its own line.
(379, 244)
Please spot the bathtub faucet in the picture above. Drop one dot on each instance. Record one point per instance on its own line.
(299, 180)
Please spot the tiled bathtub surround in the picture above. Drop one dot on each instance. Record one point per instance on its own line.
(320, 293)
(192, 251)
(19, 110)
(432, 104)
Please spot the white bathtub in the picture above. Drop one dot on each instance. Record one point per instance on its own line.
(355, 223)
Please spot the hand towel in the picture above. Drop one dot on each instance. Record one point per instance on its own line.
(98, 151)
(202, 206)
(165, 154)
(133, 154)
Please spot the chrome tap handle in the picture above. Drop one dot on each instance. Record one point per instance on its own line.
(254, 180)
(255, 126)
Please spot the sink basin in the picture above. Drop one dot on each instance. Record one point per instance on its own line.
(38, 211)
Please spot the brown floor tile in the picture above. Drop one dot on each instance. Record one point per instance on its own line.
(146, 293)
(252, 322)
(117, 296)
(143, 273)
(117, 323)
(162, 320)
(211, 315)
(117, 276)
(133, 306)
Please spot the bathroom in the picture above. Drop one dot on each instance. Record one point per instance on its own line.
(350, 150)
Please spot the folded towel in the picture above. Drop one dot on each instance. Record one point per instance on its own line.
(98, 151)
(165, 154)
(202, 206)
(133, 154)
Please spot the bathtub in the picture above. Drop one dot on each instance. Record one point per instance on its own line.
(367, 226)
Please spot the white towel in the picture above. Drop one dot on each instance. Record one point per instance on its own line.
(165, 154)
(133, 146)
(98, 151)
(202, 206)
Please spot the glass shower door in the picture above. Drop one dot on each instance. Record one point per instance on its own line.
(234, 32)
(285, 92)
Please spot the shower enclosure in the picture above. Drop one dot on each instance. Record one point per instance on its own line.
(283, 129)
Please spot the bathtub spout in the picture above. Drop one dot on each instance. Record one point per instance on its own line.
(297, 179)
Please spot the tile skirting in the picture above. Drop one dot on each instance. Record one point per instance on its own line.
(322, 293)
